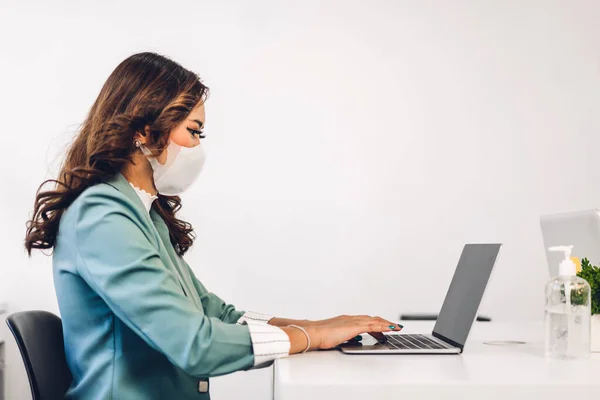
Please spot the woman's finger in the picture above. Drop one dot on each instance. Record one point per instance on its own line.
(392, 325)
(383, 325)
(376, 326)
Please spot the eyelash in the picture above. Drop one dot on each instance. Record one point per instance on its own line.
(196, 132)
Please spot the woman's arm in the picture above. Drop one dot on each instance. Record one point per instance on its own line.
(323, 333)
(286, 321)
(268, 342)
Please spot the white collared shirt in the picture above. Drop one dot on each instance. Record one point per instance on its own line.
(268, 342)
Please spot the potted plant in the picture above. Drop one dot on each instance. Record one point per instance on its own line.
(591, 274)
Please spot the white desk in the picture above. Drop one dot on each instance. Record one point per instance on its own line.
(481, 372)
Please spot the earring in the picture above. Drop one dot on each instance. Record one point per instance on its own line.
(137, 143)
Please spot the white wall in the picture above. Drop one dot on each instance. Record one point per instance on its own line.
(353, 146)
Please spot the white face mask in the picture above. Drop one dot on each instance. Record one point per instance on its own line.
(180, 170)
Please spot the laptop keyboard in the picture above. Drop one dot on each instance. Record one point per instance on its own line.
(410, 341)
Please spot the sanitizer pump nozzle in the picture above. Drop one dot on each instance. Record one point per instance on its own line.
(567, 267)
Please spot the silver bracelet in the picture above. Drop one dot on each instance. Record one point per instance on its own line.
(306, 334)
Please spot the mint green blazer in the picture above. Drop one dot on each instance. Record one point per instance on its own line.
(137, 323)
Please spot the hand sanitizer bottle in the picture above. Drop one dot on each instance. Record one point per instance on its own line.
(567, 311)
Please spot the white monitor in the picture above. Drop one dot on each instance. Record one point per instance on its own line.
(580, 229)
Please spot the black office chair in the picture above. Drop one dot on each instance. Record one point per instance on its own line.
(39, 336)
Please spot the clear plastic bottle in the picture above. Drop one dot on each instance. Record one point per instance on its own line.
(567, 311)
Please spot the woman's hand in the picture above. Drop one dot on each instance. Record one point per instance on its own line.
(328, 333)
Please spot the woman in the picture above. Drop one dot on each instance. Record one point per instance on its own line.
(137, 322)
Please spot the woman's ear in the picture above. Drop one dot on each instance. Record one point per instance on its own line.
(142, 136)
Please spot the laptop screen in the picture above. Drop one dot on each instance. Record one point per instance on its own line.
(466, 290)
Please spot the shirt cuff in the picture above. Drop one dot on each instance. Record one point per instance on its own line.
(255, 317)
(268, 342)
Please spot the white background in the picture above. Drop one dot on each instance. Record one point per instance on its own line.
(353, 147)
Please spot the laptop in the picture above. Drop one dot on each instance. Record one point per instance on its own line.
(456, 316)
(580, 229)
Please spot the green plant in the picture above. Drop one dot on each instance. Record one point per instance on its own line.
(591, 274)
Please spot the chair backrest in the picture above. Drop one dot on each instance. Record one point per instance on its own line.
(39, 336)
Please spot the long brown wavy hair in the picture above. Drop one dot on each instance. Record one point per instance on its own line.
(146, 89)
